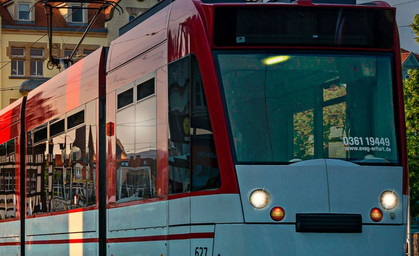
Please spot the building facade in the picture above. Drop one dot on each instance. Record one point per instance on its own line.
(25, 48)
(130, 10)
(24, 42)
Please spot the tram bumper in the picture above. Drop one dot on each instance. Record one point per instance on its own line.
(328, 208)
(283, 239)
(321, 187)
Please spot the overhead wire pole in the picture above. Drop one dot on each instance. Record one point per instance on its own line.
(87, 30)
(64, 63)
(48, 10)
(56, 62)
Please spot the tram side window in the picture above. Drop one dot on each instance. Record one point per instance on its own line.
(61, 172)
(136, 146)
(78, 172)
(179, 148)
(36, 172)
(7, 180)
(193, 163)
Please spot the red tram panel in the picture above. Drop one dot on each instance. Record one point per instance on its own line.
(10, 192)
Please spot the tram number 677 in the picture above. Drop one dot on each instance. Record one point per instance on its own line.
(201, 251)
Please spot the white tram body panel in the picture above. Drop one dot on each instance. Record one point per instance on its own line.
(316, 187)
(63, 234)
(268, 239)
(321, 186)
(10, 237)
(171, 227)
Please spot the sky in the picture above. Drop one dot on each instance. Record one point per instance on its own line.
(405, 11)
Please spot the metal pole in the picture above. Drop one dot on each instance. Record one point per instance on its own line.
(85, 33)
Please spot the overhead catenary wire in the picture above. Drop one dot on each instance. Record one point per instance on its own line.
(64, 63)
(39, 39)
(405, 26)
(408, 2)
(14, 88)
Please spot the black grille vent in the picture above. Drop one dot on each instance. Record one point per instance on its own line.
(329, 223)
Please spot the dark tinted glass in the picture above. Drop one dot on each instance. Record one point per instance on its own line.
(304, 26)
(193, 163)
(145, 89)
(76, 119)
(56, 128)
(125, 98)
(289, 108)
(40, 135)
(179, 126)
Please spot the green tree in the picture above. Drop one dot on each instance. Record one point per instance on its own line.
(415, 27)
(411, 92)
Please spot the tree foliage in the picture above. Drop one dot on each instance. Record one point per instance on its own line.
(411, 92)
(415, 27)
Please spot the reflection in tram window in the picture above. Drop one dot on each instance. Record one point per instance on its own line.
(205, 172)
(7, 180)
(136, 175)
(35, 182)
(135, 182)
(309, 106)
(193, 164)
(61, 171)
(179, 123)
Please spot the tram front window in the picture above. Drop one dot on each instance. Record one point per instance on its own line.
(287, 108)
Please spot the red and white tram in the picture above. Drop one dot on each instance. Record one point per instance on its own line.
(215, 129)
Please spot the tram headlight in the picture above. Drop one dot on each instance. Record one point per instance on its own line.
(388, 200)
(259, 198)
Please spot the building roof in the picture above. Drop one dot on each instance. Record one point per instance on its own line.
(5, 15)
(409, 59)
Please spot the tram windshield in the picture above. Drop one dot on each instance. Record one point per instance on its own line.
(289, 108)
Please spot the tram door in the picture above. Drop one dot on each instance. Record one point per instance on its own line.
(193, 164)
(179, 154)
(138, 214)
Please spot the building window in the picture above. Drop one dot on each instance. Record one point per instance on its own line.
(67, 53)
(37, 53)
(18, 52)
(27, 62)
(18, 67)
(76, 14)
(23, 12)
(37, 68)
(75, 57)
(36, 64)
(87, 52)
